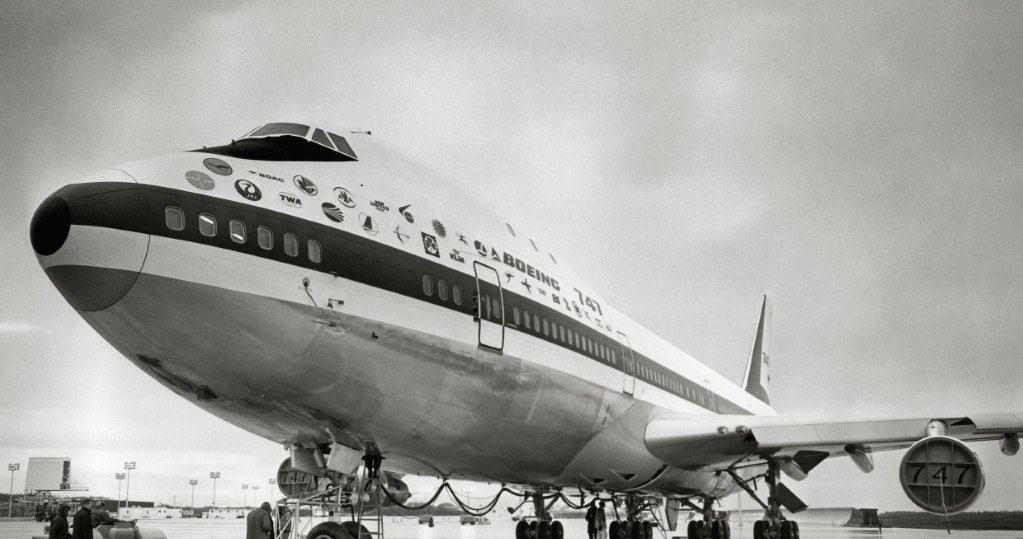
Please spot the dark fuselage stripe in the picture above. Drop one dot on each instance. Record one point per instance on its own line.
(362, 260)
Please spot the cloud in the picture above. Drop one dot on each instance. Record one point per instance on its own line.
(8, 327)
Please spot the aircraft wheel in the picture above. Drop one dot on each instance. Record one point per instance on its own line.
(691, 532)
(543, 530)
(716, 530)
(759, 529)
(795, 530)
(648, 530)
(355, 530)
(557, 530)
(522, 530)
(328, 530)
(532, 529)
(726, 529)
(614, 530)
(636, 530)
(786, 530)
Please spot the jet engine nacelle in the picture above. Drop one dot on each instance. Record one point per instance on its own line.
(941, 475)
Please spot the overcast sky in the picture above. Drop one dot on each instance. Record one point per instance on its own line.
(857, 162)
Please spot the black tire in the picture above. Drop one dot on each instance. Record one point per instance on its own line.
(355, 530)
(786, 530)
(522, 530)
(543, 530)
(557, 530)
(532, 529)
(795, 530)
(614, 530)
(759, 529)
(727, 528)
(716, 531)
(636, 530)
(328, 530)
(648, 530)
(691, 531)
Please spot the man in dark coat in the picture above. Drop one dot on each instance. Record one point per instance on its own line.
(258, 524)
(83, 521)
(591, 521)
(59, 526)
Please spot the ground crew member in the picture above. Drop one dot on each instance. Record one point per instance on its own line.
(258, 524)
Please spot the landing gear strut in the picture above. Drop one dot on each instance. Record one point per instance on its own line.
(774, 525)
(544, 527)
(711, 527)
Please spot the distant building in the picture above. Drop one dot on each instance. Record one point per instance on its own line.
(140, 512)
(224, 513)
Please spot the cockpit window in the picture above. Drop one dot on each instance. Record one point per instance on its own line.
(342, 146)
(321, 137)
(297, 130)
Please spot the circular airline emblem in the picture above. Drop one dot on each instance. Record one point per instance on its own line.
(344, 196)
(217, 166)
(332, 212)
(200, 180)
(306, 185)
(248, 190)
(291, 200)
(368, 224)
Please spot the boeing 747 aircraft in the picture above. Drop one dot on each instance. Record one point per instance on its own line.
(324, 293)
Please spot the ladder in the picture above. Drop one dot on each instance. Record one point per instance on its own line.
(371, 510)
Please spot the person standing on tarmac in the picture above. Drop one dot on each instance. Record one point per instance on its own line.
(258, 524)
(601, 522)
(82, 528)
(591, 521)
(59, 526)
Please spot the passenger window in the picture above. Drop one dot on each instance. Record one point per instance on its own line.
(175, 218)
(526, 315)
(290, 244)
(442, 290)
(498, 311)
(315, 251)
(515, 315)
(456, 294)
(265, 237)
(207, 225)
(536, 323)
(562, 328)
(237, 230)
(427, 285)
(546, 327)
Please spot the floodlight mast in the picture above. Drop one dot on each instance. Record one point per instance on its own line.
(214, 476)
(13, 467)
(119, 477)
(193, 482)
(127, 489)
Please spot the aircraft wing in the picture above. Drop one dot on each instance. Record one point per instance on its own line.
(719, 442)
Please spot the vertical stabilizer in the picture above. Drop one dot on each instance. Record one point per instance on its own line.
(757, 380)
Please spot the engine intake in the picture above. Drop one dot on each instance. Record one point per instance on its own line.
(941, 475)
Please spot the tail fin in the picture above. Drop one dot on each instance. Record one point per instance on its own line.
(757, 380)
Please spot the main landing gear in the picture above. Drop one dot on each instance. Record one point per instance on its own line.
(711, 527)
(544, 527)
(634, 526)
(774, 525)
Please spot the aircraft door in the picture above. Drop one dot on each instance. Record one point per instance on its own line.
(488, 307)
(628, 365)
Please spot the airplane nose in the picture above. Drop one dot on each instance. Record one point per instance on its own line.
(50, 226)
(91, 240)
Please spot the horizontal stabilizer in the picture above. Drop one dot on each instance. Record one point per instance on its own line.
(757, 380)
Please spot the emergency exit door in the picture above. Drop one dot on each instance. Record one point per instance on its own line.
(488, 307)
(628, 365)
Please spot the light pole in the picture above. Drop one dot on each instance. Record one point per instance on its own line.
(127, 489)
(245, 492)
(119, 477)
(254, 489)
(214, 476)
(193, 482)
(10, 501)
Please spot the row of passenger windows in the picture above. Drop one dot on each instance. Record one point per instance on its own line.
(175, 220)
(535, 323)
(442, 290)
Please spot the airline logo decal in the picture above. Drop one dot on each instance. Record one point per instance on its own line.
(430, 245)
(291, 200)
(405, 213)
(267, 176)
(402, 237)
(438, 227)
(380, 206)
(200, 180)
(457, 256)
(368, 224)
(306, 185)
(217, 166)
(461, 238)
(248, 190)
(344, 196)
(332, 212)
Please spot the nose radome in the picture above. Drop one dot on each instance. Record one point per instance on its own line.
(92, 240)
